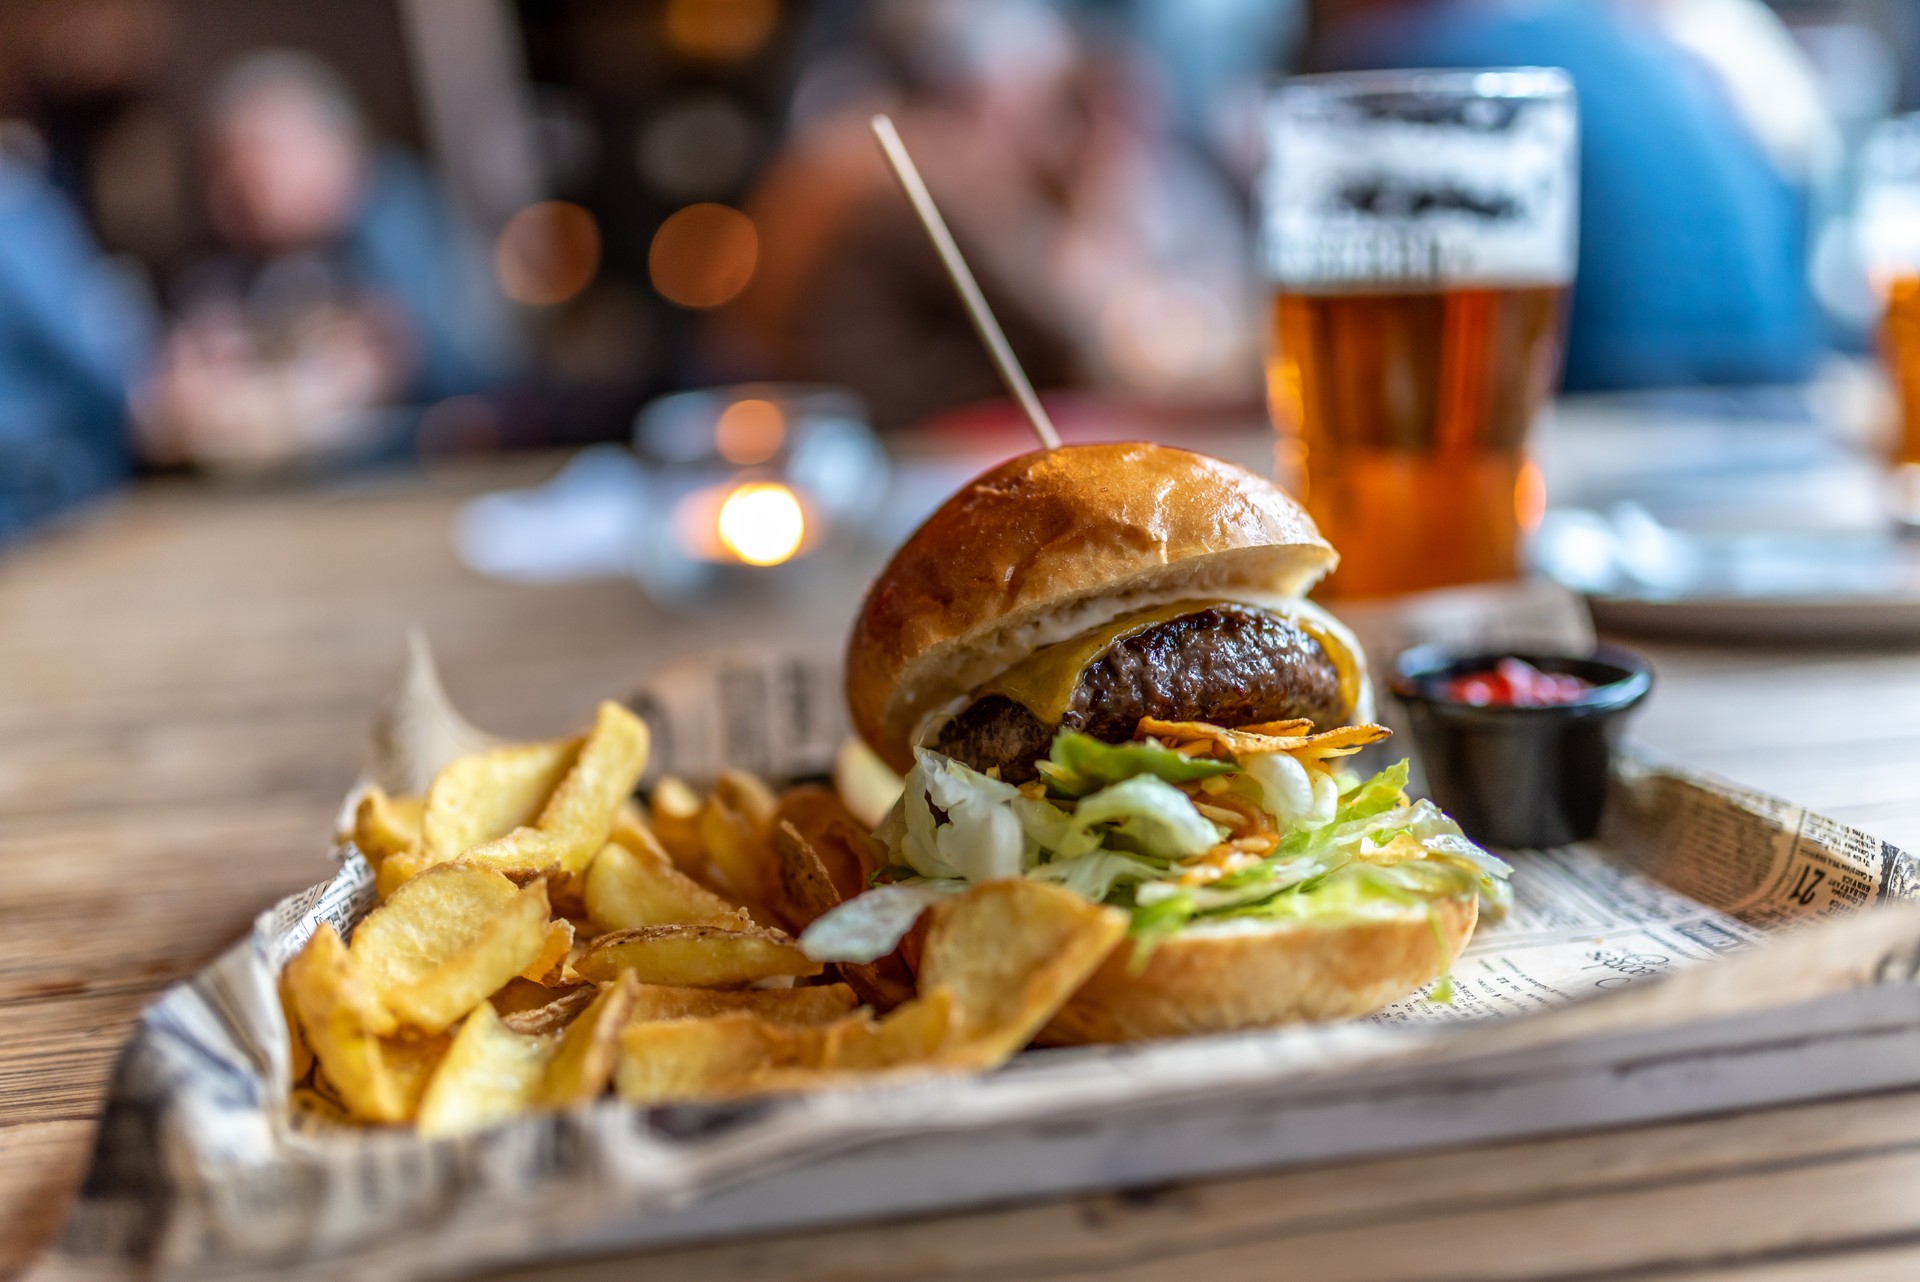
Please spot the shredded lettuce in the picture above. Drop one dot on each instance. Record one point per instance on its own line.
(974, 836)
(1377, 795)
(1295, 796)
(872, 925)
(1150, 817)
(1078, 764)
(1096, 875)
(1117, 824)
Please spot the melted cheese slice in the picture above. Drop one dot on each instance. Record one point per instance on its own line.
(1044, 681)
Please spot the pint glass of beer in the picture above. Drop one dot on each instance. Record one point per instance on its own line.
(1887, 224)
(1418, 237)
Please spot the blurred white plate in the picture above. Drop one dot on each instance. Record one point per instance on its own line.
(1641, 576)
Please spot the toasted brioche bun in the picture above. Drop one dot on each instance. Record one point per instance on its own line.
(1050, 544)
(1248, 974)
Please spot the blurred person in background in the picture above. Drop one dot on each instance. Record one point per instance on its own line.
(1111, 255)
(1693, 242)
(73, 340)
(344, 287)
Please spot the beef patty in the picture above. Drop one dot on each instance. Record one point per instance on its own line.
(1228, 665)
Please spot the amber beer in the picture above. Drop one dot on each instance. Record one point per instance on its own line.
(1900, 350)
(1418, 234)
(1403, 419)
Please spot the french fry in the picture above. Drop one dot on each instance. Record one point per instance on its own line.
(736, 828)
(427, 921)
(562, 1008)
(913, 1035)
(384, 826)
(678, 1060)
(583, 1064)
(739, 1053)
(629, 887)
(554, 952)
(344, 1021)
(695, 955)
(489, 1074)
(578, 816)
(1012, 953)
(842, 843)
(674, 812)
(504, 948)
(806, 887)
(867, 785)
(484, 796)
(299, 1050)
(818, 1004)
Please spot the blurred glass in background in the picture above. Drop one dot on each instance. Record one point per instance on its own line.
(1418, 235)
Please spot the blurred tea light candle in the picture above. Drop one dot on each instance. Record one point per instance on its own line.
(750, 522)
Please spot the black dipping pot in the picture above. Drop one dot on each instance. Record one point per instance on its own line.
(1520, 776)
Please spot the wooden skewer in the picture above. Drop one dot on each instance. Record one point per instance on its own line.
(982, 316)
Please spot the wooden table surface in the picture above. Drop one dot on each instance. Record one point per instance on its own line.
(185, 686)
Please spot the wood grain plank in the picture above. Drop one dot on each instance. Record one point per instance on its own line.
(1605, 1204)
(40, 1164)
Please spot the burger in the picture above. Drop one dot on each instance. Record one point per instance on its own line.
(1096, 666)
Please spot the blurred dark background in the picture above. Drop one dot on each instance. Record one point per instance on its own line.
(264, 237)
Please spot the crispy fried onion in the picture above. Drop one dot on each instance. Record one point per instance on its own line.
(1199, 738)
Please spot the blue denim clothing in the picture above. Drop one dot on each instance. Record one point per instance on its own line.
(1692, 246)
(73, 338)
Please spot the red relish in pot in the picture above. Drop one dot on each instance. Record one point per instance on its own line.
(1514, 683)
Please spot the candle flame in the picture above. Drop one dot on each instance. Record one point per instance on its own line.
(761, 523)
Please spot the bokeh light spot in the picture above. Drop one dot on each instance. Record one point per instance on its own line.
(1530, 497)
(761, 523)
(749, 431)
(547, 253)
(719, 30)
(703, 256)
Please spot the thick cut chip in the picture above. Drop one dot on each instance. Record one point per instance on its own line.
(680, 1060)
(1012, 953)
(504, 948)
(562, 1008)
(736, 828)
(524, 994)
(554, 952)
(484, 796)
(883, 983)
(844, 845)
(412, 1061)
(819, 1004)
(912, 1035)
(740, 1053)
(575, 823)
(628, 888)
(299, 1049)
(344, 1022)
(807, 890)
(582, 809)
(384, 826)
(867, 785)
(584, 1063)
(430, 919)
(489, 1074)
(674, 811)
(695, 956)
(1267, 737)
(495, 1071)
(397, 870)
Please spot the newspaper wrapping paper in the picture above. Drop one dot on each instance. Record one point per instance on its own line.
(201, 1169)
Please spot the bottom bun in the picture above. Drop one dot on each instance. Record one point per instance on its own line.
(1256, 975)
